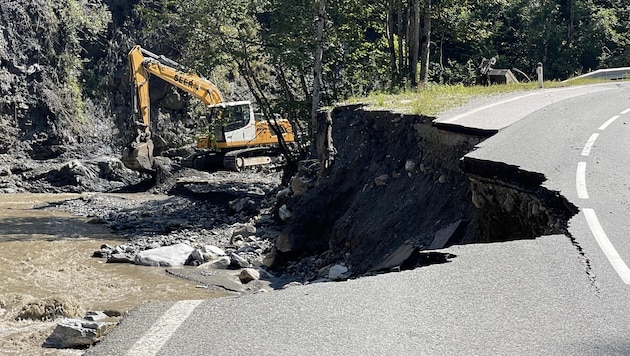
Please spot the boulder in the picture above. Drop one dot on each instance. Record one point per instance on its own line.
(78, 333)
(249, 274)
(382, 179)
(244, 231)
(238, 261)
(284, 213)
(284, 242)
(120, 258)
(95, 316)
(167, 256)
(300, 185)
(196, 258)
(338, 272)
(214, 250)
(223, 262)
(410, 166)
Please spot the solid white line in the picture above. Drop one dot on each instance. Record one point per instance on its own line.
(163, 328)
(589, 144)
(606, 246)
(610, 121)
(625, 111)
(580, 181)
(457, 117)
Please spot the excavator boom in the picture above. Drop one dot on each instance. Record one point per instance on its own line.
(138, 155)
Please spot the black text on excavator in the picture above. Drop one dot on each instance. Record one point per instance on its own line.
(237, 139)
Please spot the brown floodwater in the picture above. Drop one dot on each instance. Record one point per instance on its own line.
(46, 254)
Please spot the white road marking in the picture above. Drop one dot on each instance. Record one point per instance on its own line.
(163, 328)
(589, 144)
(580, 181)
(625, 111)
(610, 121)
(457, 117)
(604, 243)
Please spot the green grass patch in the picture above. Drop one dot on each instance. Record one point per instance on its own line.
(433, 99)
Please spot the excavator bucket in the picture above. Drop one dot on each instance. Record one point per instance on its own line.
(139, 156)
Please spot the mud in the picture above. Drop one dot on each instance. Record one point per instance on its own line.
(48, 254)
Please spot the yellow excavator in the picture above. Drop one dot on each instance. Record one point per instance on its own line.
(237, 137)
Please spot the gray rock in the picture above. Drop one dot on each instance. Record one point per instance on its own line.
(283, 194)
(300, 185)
(167, 256)
(120, 258)
(196, 258)
(76, 333)
(284, 213)
(213, 250)
(382, 179)
(285, 242)
(238, 261)
(338, 272)
(249, 274)
(244, 231)
(223, 262)
(410, 166)
(95, 316)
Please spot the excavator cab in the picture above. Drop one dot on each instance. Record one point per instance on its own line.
(233, 125)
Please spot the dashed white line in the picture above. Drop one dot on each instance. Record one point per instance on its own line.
(625, 111)
(163, 328)
(610, 121)
(604, 243)
(589, 144)
(580, 181)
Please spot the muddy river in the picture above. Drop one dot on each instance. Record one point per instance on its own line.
(46, 254)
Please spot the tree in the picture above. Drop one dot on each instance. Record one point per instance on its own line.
(317, 67)
(426, 42)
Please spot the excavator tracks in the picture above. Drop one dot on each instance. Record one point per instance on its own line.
(239, 160)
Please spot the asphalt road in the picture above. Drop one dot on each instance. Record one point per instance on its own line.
(547, 296)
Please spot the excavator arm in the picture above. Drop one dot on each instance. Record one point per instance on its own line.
(138, 154)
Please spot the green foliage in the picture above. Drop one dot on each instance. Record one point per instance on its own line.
(269, 44)
(80, 20)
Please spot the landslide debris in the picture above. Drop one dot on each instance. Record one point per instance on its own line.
(394, 180)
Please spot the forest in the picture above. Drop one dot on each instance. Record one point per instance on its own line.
(354, 47)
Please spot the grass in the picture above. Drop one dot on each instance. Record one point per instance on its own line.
(433, 99)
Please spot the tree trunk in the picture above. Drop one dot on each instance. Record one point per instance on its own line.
(414, 42)
(390, 42)
(426, 43)
(401, 57)
(317, 67)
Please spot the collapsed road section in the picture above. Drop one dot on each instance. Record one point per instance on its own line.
(396, 184)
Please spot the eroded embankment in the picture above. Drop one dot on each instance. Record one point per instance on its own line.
(512, 203)
(397, 180)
